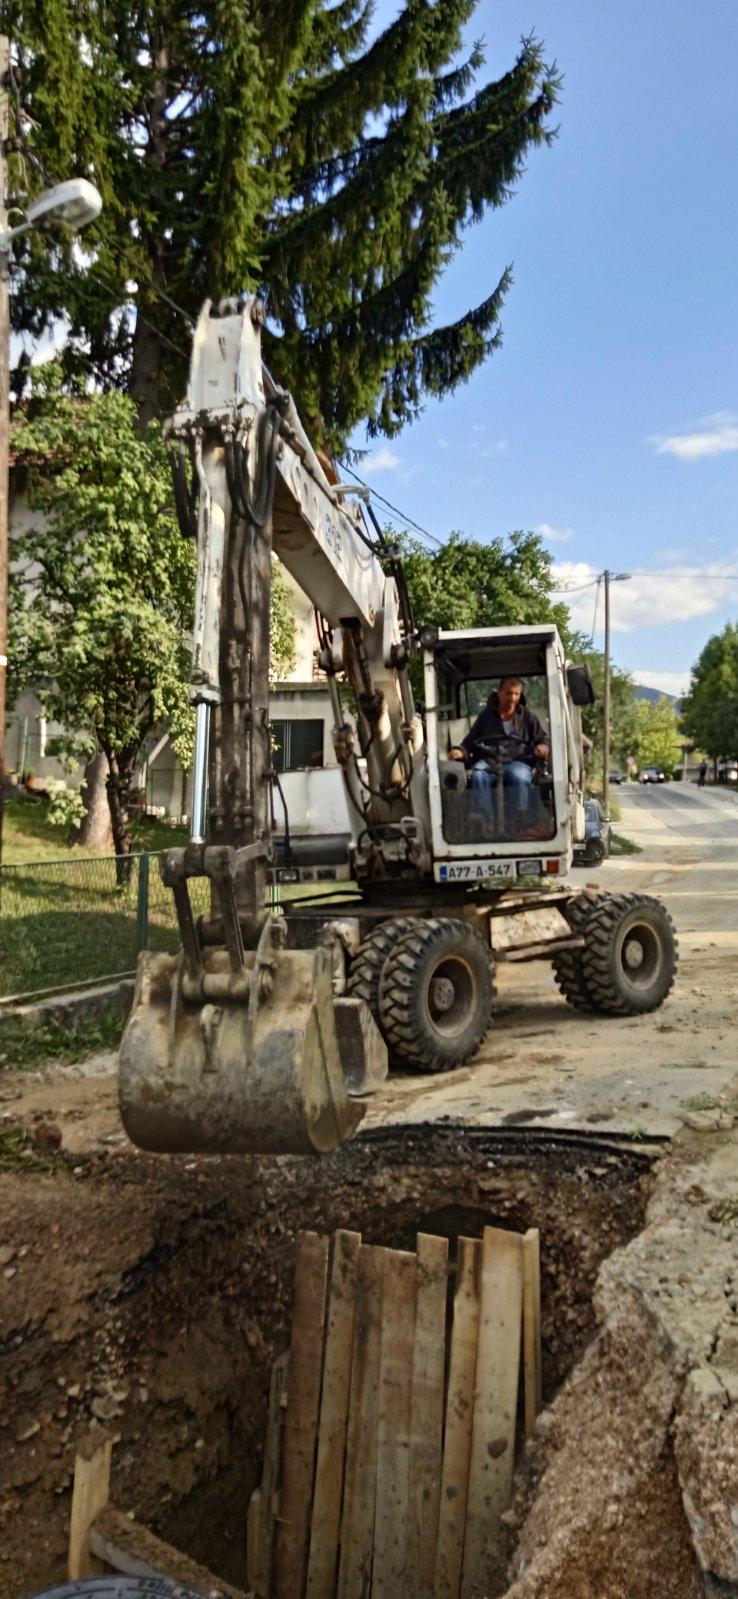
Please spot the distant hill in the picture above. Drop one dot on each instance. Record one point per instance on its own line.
(654, 695)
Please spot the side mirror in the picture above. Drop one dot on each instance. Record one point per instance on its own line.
(580, 685)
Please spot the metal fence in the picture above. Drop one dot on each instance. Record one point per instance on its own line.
(64, 924)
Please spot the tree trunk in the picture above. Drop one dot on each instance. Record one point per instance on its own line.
(118, 784)
(145, 367)
(95, 831)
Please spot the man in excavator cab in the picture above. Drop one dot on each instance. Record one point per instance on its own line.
(506, 734)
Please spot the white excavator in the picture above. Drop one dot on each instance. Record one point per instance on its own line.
(265, 1029)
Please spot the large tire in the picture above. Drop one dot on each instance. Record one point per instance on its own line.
(435, 995)
(568, 966)
(368, 964)
(629, 961)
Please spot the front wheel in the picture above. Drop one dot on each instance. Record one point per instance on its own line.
(435, 995)
(630, 957)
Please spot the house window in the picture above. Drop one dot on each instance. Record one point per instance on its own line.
(297, 744)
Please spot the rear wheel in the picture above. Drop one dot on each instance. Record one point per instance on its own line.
(568, 965)
(435, 995)
(368, 965)
(629, 961)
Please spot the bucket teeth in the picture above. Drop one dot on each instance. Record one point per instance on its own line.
(259, 1075)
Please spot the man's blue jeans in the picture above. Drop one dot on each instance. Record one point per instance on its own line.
(517, 778)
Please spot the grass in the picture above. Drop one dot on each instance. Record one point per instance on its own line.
(28, 835)
(60, 1041)
(17, 1152)
(620, 845)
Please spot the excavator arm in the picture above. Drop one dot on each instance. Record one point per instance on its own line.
(232, 1044)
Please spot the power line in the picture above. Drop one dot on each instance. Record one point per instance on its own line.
(594, 618)
(408, 520)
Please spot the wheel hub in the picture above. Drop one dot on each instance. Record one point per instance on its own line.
(633, 954)
(443, 993)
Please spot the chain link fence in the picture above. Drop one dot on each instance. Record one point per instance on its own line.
(65, 924)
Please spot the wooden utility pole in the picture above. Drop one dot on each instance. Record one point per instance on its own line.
(606, 702)
(4, 412)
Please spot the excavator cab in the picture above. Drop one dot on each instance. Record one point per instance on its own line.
(504, 767)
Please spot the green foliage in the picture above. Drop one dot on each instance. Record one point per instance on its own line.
(623, 724)
(279, 144)
(66, 805)
(282, 651)
(710, 710)
(103, 584)
(657, 734)
(469, 584)
(59, 1041)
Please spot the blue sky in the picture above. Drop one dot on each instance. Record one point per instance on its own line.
(609, 419)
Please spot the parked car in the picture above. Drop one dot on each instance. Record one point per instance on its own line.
(617, 778)
(595, 846)
(651, 774)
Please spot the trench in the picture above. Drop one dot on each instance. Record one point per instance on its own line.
(166, 1296)
(586, 1195)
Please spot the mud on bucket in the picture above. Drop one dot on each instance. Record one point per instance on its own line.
(254, 1075)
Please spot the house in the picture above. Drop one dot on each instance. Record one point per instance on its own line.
(301, 719)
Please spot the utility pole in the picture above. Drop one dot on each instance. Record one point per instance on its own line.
(606, 702)
(4, 410)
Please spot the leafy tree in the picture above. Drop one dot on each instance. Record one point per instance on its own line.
(278, 144)
(710, 710)
(623, 723)
(657, 733)
(469, 584)
(102, 589)
(103, 584)
(466, 584)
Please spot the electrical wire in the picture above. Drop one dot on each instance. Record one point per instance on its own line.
(594, 618)
(408, 520)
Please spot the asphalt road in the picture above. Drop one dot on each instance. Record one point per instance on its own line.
(545, 1064)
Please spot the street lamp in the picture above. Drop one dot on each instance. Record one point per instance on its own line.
(609, 577)
(74, 203)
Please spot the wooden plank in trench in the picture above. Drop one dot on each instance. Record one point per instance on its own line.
(426, 1441)
(394, 1425)
(301, 1417)
(334, 1409)
(459, 1419)
(360, 1479)
(495, 1407)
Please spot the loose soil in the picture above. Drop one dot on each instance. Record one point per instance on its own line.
(152, 1295)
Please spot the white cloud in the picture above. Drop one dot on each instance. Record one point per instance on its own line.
(554, 535)
(484, 452)
(383, 460)
(667, 682)
(654, 600)
(443, 444)
(717, 435)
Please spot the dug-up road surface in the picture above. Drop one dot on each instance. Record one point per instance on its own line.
(546, 1064)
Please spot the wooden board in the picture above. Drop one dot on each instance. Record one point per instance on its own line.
(426, 1435)
(334, 1408)
(394, 1425)
(301, 1417)
(495, 1406)
(271, 1476)
(459, 1418)
(532, 1327)
(124, 1544)
(89, 1496)
(360, 1481)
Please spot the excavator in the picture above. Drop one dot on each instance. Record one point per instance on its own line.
(264, 1031)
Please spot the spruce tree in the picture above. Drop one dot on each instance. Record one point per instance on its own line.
(279, 144)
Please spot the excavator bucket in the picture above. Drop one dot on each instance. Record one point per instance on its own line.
(252, 1073)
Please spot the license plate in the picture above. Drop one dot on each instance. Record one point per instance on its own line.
(474, 871)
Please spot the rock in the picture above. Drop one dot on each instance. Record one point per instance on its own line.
(47, 1136)
(6, 1254)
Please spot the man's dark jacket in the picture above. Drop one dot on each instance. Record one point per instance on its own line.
(525, 725)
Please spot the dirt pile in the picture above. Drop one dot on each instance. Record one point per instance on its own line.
(630, 1488)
